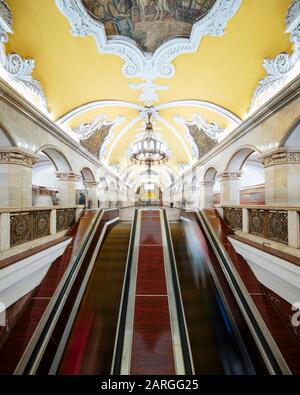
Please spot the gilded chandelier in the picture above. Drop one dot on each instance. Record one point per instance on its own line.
(149, 151)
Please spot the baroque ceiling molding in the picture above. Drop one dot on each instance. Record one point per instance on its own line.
(148, 66)
(86, 130)
(212, 130)
(109, 138)
(284, 67)
(15, 68)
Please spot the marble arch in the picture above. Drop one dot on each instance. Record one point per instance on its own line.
(58, 159)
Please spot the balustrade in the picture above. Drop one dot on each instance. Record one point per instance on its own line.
(20, 226)
(279, 224)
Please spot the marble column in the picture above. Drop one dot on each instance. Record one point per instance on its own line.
(230, 188)
(282, 173)
(91, 187)
(66, 187)
(16, 177)
(206, 199)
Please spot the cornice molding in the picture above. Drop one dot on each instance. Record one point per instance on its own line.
(283, 67)
(147, 66)
(18, 102)
(290, 92)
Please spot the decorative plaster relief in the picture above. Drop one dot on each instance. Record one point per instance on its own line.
(15, 68)
(148, 66)
(17, 156)
(85, 130)
(281, 156)
(67, 176)
(97, 135)
(200, 144)
(284, 67)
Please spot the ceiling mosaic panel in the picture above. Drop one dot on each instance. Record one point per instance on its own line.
(148, 22)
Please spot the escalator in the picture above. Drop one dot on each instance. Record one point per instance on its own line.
(150, 297)
(90, 346)
(224, 330)
(215, 348)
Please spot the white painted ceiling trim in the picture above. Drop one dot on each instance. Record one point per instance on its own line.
(228, 115)
(125, 130)
(204, 105)
(69, 116)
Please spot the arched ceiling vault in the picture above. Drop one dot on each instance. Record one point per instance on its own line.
(206, 78)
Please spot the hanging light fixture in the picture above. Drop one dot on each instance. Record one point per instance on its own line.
(149, 151)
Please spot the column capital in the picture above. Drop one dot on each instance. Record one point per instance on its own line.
(67, 176)
(207, 183)
(281, 156)
(230, 175)
(17, 156)
(90, 184)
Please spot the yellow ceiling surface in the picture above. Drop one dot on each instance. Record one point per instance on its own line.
(224, 70)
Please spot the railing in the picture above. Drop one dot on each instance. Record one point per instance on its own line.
(20, 226)
(265, 343)
(274, 223)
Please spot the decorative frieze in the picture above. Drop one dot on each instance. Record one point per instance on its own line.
(281, 156)
(16, 156)
(67, 176)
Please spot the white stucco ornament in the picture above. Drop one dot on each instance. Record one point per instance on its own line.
(16, 69)
(148, 66)
(283, 67)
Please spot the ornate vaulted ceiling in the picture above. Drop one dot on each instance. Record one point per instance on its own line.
(100, 63)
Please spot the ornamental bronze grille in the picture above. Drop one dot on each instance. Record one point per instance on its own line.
(65, 219)
(269, 224)
(257, 222)
(278, 226)
(234, 217)
(27, 226)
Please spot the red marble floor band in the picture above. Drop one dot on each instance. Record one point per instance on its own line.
(152, 348)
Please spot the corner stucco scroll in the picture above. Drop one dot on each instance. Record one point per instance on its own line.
(283, 67)
(15, 68)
